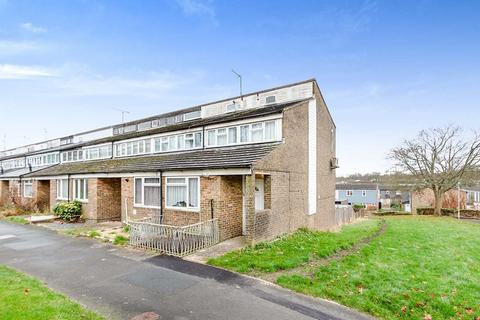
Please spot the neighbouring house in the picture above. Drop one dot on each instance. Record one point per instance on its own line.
(392, 197)
(426, 198)
(263, 164)
(472, 197)
(357, 194)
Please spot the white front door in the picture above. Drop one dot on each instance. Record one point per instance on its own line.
(259, 194)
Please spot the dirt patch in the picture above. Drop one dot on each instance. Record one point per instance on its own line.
(308, 269)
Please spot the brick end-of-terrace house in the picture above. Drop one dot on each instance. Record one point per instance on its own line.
(263, 164)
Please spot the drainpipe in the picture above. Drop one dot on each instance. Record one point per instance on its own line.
(160, 173)
(113, 151)
(68, 187)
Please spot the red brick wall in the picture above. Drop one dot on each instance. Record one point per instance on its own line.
(226, 193)
(4, 193)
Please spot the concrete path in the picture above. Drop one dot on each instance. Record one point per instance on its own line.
(122, 284)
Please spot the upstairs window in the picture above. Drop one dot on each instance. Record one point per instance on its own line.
(179, 142)
(266, 131)
(364, 193)
(349, 193)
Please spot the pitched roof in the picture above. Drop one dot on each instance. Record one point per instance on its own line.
(356, 186)
(230, 157)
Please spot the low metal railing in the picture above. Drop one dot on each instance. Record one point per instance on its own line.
(174, 240)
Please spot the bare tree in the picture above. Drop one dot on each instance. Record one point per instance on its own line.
(438, 159)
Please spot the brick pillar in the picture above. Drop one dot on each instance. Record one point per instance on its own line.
(250, 207)
(4, 193)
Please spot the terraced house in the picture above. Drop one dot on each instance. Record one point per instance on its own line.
(261, 164)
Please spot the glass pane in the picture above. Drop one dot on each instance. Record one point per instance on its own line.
(232, 135)
(257, 132)
(135, 148)
(270, 130)
(157, 144)
(181, 142)
(198, 139)
(189, 141)
(193, 192)
(64, 188)
(211, 137)
(152, 196)
(172, 143)
(152, 180)
(244, 133)
(175, 180)
(138, 191)
(176, 196)
(221, 137)
(147, 146)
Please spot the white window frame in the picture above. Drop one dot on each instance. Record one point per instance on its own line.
(214, 132)
(76, 182)
(60, 183)
(25, 184)
(142, 204)
(185, 184)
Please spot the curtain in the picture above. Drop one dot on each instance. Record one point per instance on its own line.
(138, 191)
(152, 196)
(193, 192)
(176, 196)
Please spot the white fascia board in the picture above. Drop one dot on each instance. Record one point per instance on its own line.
(245, 121)
(178, 173)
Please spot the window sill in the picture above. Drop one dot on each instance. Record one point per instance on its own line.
(139, 206)
(62, 199)
(196, 210)
(82, 201)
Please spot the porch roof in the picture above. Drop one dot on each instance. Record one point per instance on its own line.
(229, 157)
(17, 173)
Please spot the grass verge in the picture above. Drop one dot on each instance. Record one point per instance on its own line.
(420, 268)
(23, 297)
(19, 220)
(293, 250)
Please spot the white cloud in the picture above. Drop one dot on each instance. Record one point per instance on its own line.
(16, 47)
(11, 72)
(30, 27)
(198, 8)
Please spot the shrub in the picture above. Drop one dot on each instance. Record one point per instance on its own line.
(68, 211)
(390, 213)
(120, 240)
(466, 213)
(358, 207)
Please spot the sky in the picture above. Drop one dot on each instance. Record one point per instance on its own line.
(387, 69)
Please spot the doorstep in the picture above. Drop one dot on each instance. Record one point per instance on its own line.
(42, 219)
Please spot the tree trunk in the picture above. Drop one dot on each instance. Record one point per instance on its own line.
(438, 203)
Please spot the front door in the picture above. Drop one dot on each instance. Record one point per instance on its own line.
(259, 194)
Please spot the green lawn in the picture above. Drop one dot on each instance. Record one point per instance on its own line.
(23, 297)
(294, 250)
(420, 267)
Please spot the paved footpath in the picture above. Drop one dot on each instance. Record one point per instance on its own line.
(121, 283)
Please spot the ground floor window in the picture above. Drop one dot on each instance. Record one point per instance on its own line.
(183, 192)
(62, 189)
(27, 188)
(81, 189)
(147, 192)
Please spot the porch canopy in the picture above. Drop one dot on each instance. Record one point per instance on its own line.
(217, 158)
(16, 174)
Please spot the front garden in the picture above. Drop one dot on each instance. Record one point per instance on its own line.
(420, 267)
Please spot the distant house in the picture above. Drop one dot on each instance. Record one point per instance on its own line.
(472, 197)
(357, 193)
(391, 196)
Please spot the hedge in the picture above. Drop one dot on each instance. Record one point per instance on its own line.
(391, 213)
(466, 213)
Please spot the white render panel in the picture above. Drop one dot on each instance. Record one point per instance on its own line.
(282, 95)
(312, 156)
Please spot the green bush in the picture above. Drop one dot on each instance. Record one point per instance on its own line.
(120, 240)
(68, 211)
(391, 213)
(358, 207)
(466, 213)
